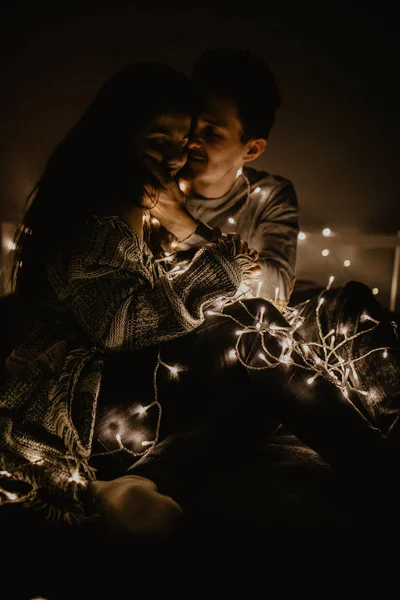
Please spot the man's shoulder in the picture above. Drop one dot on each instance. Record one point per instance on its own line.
(264, 178)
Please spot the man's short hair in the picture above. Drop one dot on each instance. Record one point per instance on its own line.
(239, 75)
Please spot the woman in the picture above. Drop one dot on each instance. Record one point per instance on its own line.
(89, 217)
(117, 375)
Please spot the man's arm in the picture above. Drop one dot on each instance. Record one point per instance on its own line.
(275, 238)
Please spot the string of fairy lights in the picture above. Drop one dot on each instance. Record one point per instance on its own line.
(323, 358)
(317, 359)
(326, 235)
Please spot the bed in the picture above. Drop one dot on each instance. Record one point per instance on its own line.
(282, 504)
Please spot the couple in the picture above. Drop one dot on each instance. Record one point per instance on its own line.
(136, 346)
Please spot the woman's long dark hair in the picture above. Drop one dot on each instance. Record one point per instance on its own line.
(95, 161)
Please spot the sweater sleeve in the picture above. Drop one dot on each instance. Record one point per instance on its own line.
(113, 290)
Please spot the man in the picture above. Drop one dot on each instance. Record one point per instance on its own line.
(220, 187)
(223, 193)
(218, 192)
(239, 99)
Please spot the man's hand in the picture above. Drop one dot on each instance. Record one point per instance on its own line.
(170, 209)
(241, 248)
(255, 271)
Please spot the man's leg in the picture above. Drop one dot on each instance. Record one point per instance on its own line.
(362, 331)
(216, 388)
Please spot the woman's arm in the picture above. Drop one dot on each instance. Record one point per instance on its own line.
(112, 288)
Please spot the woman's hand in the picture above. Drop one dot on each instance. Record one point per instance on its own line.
(170, 208)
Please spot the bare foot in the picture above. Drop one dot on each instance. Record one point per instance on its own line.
(132, 504)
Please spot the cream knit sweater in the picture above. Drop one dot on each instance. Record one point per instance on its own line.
(107, 295)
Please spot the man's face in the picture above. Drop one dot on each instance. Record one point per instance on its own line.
(215, 150)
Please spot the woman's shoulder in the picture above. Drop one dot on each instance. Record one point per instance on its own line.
(109, 225)
(108, 239)
(101, 230)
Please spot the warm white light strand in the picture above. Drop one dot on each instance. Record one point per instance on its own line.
(320, 359)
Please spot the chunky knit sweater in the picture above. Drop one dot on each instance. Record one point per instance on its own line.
(105, 296)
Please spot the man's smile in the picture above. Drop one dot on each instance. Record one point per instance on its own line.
(192, 156)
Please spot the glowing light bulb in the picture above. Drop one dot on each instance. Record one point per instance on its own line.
(174, 244)
(11, 495)
(75, 477)
(257, 190)
(239, 172)
(331, 280)
(385, 354)
(182, 186)
(301, 235)
(325, 252)
(10, 245)
(154, 221)
(232, 354)
(231, 220)
(35, 459)
(326, 232)
(375, 291)
(346, 263)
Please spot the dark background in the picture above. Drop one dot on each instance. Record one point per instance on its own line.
(336, 135)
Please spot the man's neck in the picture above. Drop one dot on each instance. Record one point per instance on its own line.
(207, 189)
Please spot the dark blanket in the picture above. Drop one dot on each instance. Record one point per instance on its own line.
(268, 514)
(282, 506)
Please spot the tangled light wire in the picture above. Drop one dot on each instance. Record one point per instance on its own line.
(332, 366)
(320, 359)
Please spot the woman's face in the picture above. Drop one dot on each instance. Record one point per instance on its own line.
(165, 138)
